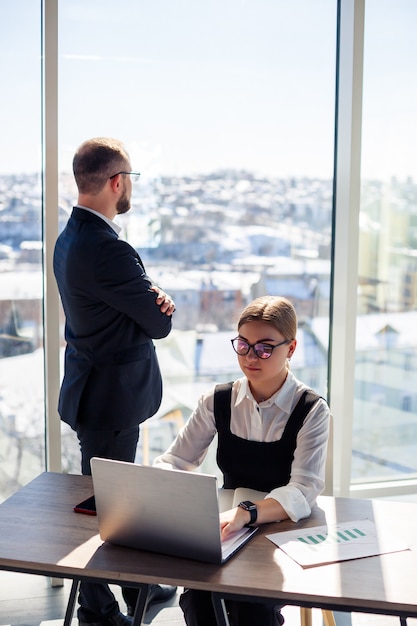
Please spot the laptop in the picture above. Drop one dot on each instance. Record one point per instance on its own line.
(167, 511)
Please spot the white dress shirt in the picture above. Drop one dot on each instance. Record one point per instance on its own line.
(113, 225)
(264, 421)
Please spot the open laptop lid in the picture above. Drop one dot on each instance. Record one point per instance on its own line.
(167, 511)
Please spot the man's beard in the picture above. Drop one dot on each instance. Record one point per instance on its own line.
(123, 204)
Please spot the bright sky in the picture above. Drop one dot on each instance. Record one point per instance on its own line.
(193, 86)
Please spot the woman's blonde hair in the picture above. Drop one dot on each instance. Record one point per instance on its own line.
(274, 310)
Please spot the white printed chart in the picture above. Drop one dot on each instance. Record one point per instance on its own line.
(319, 545)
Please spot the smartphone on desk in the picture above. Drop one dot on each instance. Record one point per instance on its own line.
(88, 506)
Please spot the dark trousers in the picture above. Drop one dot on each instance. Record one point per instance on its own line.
(96, 599)
(198, 611)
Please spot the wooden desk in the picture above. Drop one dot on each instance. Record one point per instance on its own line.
(40, 534)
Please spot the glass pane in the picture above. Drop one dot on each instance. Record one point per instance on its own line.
(227, 110)
(385, 418)
(22, 415)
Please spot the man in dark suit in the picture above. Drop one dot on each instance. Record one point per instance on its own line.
(113, 311)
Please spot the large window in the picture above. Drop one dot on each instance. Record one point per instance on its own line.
(385, 416)
(227, 109)
(22, 415)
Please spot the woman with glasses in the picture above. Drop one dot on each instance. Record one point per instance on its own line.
(272, 437)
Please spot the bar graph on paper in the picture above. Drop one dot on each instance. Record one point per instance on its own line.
(352, 533)
(340, 542)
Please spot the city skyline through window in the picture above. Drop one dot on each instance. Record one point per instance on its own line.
(227, 109)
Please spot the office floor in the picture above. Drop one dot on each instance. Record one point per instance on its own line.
(27, 600)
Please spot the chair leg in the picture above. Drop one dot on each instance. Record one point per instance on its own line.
(305, 617)
(328, 618)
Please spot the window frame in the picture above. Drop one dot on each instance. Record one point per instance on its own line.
(346, 204)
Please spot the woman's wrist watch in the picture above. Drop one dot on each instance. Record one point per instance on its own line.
(247, 505)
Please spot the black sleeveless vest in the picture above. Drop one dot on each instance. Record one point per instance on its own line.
(256, 465)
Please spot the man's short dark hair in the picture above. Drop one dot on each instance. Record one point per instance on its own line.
(96, 160)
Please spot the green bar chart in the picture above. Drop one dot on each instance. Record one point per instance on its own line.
(320, 545)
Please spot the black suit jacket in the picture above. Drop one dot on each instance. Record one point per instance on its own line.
(112, 378)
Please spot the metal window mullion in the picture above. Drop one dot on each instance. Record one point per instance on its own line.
(50, 230)
(346, 235)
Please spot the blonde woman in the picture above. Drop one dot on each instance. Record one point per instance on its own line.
(272, 437)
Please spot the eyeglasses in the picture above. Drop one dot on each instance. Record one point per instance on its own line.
(262, 350)
(134, 176)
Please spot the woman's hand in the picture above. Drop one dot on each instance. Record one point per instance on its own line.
(269, 510)
(233, 520)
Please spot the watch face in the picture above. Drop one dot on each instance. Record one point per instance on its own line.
(247, 505)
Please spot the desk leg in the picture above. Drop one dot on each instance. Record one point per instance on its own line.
(69, 613)
(403, 621)
(141, 605)
(220, 609)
